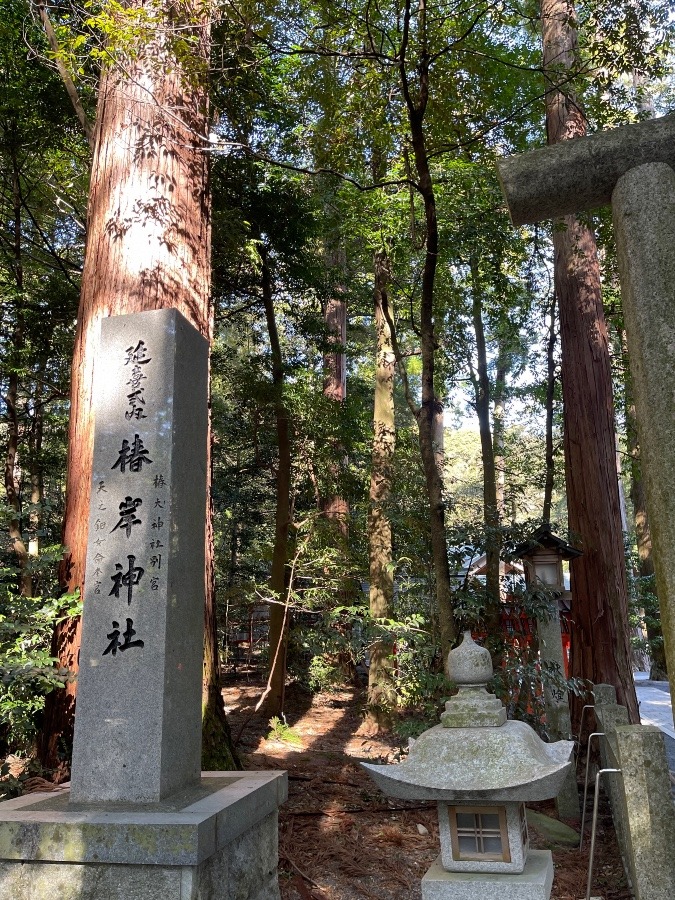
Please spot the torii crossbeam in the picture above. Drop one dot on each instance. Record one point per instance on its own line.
(631, 168)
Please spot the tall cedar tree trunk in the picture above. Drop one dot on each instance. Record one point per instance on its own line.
(638, 496)
(381, 694)
(278, 625)
(550, 398)
(600, 631)
(493, 544)
(416, 99)
(148, 247)
(12, 487)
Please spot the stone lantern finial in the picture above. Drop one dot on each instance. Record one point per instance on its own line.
(469, 663)
(470, 667)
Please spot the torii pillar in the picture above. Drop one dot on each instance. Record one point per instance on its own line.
(631, 168)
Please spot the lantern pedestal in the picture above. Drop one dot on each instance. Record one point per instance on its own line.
(533, 883)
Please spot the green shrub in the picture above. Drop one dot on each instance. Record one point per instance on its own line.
(322, 675)
(281, 731)
(27, 669)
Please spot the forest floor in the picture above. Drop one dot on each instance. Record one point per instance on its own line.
(340, 838)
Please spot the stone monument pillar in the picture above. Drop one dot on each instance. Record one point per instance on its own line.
(140, 819)
(543, 554)
(138, 723)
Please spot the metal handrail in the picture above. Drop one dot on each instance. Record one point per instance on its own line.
(581, 731)
(588, 759)
(593, 828)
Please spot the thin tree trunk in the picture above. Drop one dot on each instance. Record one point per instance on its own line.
(600, 636)
(498, 431)
(148, 247)
(381, 695)
(416, 104)
(335, 507)
(481, 384)
(218, 752)
(35, 467)
(64, 73)
(550, 397)
(278, 624)
(12, 486)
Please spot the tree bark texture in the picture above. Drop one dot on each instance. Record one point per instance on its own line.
(148, 247)
(481, 385)
(279, 613)
(381, 692)
(12, 480)
(600, 629)
(550, 398)
(335, 507)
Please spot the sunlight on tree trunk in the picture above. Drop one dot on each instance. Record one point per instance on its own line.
(498, 432)
(335, 507)
(278, 623)
(493, 544)
(381, 696)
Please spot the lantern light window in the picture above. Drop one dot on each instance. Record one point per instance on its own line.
(479, 833)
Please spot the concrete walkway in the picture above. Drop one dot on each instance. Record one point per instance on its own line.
(656, 709)
(655, 705)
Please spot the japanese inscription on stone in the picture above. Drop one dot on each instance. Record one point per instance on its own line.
(141, 492)
(137, 729)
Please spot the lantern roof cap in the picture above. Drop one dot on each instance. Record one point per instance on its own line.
(543, 538)
(500, 763)
(475, 753)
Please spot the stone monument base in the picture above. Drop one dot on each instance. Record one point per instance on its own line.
(534, 883)
(215, 841)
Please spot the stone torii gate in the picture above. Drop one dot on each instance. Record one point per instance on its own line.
(631, 168)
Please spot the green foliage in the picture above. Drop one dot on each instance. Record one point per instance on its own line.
(323, 676)
(280, 730)
(312, 151)
(97, 33)
(521, 683)
(644, 609)
(27, 668)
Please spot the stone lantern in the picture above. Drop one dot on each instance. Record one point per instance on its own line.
(543, 554)
(480, 769)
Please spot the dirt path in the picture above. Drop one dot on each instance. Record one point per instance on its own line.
(339, 837)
